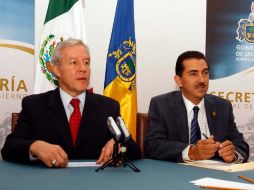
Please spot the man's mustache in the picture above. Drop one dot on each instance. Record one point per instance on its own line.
(201, 84)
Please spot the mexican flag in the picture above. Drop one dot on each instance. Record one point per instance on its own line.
(64, 19)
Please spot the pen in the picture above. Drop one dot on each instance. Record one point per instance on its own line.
(205, 135)
(218, 187)
(208, 138)
(246, 178)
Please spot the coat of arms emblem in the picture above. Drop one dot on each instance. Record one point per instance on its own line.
(245, 30)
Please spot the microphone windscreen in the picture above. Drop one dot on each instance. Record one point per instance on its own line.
(113, 128)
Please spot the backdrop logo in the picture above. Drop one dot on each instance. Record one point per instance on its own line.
(46, 51)
(245, 30)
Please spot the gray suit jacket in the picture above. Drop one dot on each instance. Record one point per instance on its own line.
(168, 135)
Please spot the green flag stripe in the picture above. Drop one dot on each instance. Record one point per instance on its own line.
(58, 7)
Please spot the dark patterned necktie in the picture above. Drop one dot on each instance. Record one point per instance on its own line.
(75, 120)
(195, 130)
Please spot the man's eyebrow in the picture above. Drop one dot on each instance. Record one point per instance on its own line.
(192, 71)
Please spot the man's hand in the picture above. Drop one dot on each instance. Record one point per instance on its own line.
(106, 152)
(204, 149)
(50, 154)
(227, 151)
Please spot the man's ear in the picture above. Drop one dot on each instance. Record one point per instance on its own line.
(56, 70)
(178, 81)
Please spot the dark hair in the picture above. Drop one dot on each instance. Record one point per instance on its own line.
(187, 55)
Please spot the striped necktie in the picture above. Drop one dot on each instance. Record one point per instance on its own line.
(195, 130)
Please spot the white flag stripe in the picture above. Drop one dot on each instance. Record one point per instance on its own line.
(68, 24)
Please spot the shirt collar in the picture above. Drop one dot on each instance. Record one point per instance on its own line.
(66, 98)
(189, 105)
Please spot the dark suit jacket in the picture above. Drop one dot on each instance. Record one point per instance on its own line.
(168, 132)
(43, 118)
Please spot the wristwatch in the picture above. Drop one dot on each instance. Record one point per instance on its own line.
(238, 157)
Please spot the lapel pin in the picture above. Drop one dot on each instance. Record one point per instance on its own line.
(213, 113)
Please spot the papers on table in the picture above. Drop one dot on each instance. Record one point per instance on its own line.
(221, 184)
(219, 165)
(83, 164)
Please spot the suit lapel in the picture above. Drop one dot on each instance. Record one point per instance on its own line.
(57, 115)
(181, 118)
(210, 114)
(89, 116)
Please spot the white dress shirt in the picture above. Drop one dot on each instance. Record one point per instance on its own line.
(66, 99)
(202, 121)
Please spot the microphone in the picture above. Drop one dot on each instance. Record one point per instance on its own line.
(120, 133)
(123, 128)
(114, 129)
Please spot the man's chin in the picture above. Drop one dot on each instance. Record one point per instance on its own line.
(200, 95)
(82, 88)
(83, 84)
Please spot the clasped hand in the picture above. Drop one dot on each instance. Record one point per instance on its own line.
(206, 149)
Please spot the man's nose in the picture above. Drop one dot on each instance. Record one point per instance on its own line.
(82, 65)
(201, 77)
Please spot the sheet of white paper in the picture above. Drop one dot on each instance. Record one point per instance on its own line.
(221, 183)
(212, 164)
(219, 165)
(83, 164)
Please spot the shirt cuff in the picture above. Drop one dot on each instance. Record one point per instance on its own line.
(185, 153)
(32, 157)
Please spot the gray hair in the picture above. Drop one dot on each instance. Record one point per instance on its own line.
(56, 57)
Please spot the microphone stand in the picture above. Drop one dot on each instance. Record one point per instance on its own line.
(118, 158)
(125, 160)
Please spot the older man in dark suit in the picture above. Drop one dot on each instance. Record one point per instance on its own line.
(190, 124)
(69, 122)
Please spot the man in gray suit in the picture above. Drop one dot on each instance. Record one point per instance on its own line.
(190, 124)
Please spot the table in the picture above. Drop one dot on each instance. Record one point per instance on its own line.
(154, 175)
